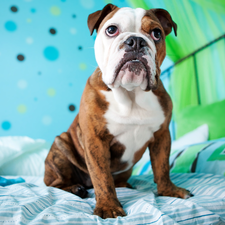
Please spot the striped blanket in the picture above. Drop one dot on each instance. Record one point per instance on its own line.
(33, 203)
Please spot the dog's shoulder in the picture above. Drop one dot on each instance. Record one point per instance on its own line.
(165, 102)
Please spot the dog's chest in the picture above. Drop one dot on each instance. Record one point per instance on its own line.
(134, 128)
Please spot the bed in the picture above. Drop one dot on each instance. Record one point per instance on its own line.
(31, 202)
(34, 203)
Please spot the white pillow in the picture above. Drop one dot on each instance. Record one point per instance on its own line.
(22, 156)
(198, 135)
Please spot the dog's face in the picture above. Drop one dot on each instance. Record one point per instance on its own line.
(130, 45)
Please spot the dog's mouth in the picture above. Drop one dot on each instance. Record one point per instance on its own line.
(132, 71)
(135, 66)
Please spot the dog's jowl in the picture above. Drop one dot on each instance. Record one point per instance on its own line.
(124, 109)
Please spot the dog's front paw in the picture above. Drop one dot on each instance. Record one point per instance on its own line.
(109, 210)
(174, 191)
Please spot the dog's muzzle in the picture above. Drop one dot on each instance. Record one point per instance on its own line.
(133, 69)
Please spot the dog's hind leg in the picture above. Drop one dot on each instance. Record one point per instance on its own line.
(60, 170)
(76, 189)
(120, 179)
(59, 180)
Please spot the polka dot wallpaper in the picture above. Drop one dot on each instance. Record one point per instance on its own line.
(46, 56)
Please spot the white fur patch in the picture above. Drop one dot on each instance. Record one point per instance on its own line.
(108, 52)
(132, 118)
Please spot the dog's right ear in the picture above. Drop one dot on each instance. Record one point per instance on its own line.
(96, 18)
(166, 20)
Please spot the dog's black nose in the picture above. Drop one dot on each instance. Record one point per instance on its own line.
(135, 43)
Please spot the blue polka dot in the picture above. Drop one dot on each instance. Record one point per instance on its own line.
(10, 26)
(33, 10)
(51, 53)
(6, 125)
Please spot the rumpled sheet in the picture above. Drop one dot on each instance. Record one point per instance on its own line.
(27, 203)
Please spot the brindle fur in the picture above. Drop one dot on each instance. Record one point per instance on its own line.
(87, 154)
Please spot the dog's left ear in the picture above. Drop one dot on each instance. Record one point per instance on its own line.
(95, 19)
(165, 20)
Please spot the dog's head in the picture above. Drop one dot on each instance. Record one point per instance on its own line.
(130, 45)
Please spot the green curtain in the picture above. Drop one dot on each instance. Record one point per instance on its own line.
(199, 22)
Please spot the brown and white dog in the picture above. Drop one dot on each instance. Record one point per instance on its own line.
(124, 109)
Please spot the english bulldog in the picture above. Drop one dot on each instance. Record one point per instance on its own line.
(124, 109)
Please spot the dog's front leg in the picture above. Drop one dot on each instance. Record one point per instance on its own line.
(159, 153)
(98, 162)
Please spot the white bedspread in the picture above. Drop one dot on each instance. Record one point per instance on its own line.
(33, 203)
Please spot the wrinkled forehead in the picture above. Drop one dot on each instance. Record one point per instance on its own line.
(127, 19)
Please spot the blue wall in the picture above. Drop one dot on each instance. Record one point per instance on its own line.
(46, 56)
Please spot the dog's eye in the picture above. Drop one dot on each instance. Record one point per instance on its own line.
(112, 31)
(156, 34)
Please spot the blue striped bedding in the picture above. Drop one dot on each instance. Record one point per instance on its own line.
(33, 203)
